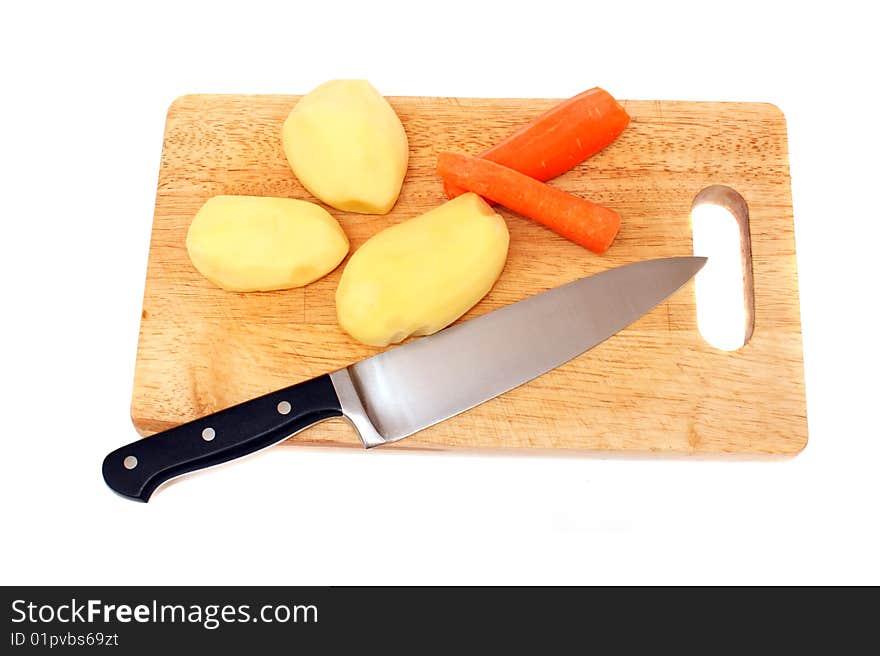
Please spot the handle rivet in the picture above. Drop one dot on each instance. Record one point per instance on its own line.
(208, 434)
(130, 462)
(284, 408)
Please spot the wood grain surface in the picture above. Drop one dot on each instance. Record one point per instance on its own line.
(655, 387)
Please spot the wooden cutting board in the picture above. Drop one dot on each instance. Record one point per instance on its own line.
(656, 386)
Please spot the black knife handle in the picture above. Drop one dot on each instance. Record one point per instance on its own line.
(136, 470)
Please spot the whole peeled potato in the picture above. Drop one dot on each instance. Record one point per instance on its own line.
(419, 276)
(257, 243)
(347, 146)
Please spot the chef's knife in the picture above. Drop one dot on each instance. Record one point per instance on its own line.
(403, 390)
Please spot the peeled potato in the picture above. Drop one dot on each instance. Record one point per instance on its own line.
(348, 148)
(255, 243)
(419, 276)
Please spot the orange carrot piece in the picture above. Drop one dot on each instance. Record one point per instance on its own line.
(585, 223)
(559, 139)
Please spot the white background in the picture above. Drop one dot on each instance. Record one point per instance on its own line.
(84, 91)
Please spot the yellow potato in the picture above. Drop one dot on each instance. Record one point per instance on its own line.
(419, 276)
(255, 243)
(348, 148)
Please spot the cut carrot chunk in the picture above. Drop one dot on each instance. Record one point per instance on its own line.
(585, 223)
(559, 139)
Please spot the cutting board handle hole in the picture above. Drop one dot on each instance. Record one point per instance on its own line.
(725, 286)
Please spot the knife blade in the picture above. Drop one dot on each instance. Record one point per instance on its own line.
(403, 390)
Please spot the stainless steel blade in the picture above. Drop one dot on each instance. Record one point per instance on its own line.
(403, 390)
